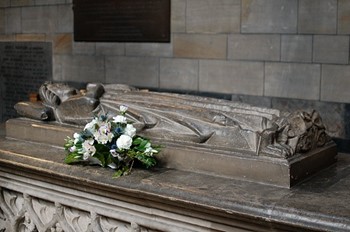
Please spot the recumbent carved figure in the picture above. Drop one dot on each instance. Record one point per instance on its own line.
(190, 120)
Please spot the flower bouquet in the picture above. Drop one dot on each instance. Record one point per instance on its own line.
(110, 142)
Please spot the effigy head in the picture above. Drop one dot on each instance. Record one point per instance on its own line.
(55, 93)
(63, 103)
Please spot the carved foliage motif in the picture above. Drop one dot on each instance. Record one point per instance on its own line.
(23, 213)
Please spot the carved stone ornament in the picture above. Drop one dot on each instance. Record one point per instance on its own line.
(199, 121)
(22, 213)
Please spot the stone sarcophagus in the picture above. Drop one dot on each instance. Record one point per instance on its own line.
(199, 134)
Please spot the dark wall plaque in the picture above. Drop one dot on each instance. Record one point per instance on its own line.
(24, 66)
(122, 20)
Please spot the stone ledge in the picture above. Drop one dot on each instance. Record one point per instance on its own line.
(235, 164)
(202, 201)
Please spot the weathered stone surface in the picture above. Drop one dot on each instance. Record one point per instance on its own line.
(259, 101)
(2, 21)
(191, 121)
(335, 83)
(2, 108)
(40, 19)
(49, 2)
(269, 16)
(2, 124)
(343, 17)
(292, 80)
(178, 16)
(213, 16)
(180, 200)
(200, 46)
(231, 77)
(317, 16)
(16, 3)
(5, 3)
(13, 20)
(230, 139)
(130, 70)
(235, 165)
(62, 44)
(84, 48)
(78, 68)
(335, 122)
(112, 49)
(33, 110)
(11, 37)
(65, 19)
(296, 48)
(334, 115)
(149, 49)
(31, 37)
(254, 47)
(331, 49)
(180, 74)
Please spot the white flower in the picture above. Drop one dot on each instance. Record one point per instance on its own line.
(73, 149)
(124, 142)
(119, 119)
(88, 148)
(149, 150)
(76, 137)
(130, 130)
(113, 152)
(91, 126)
(112, 165)
(123, 108)
(104, 134)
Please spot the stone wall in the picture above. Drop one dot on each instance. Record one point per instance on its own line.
(292, 49)
(278, 48)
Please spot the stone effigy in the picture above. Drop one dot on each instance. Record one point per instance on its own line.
(197, 124)
(184, 118)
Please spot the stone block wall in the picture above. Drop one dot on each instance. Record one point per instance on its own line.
(278, 48)
(290, 49)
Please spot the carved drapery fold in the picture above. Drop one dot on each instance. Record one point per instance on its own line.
(187, 120)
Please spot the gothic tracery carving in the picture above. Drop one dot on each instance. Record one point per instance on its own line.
(24, 213)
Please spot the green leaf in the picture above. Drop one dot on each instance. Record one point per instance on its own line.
(144, 143)
(102, 148)
(147, 161)
(122, 172)
(137, 141)
(118, 173)
(102, 154)
(72, 158)
(69, 143)
(109, 159)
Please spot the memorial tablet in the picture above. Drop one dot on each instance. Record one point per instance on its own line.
(24, 66)
(122, 20)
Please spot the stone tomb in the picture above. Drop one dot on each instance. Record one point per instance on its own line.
(202, 135)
